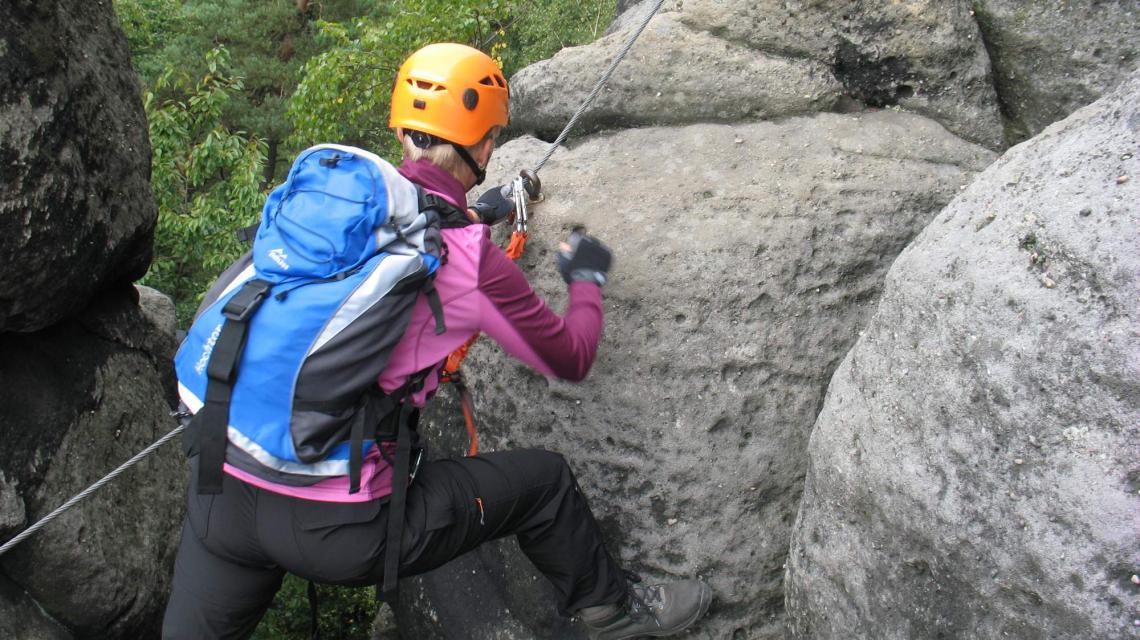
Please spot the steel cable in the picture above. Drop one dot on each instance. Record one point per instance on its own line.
(89, 490)
(598, 87)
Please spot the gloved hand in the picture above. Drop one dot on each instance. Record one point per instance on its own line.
(583, 258)
(495, 205)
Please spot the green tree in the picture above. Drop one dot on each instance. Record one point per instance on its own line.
(206, 180)
(148, 24)
(269, 41)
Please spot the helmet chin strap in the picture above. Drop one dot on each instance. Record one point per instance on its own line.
(425, 140)
(480, 172)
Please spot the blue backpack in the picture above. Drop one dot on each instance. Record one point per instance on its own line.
(280, 366)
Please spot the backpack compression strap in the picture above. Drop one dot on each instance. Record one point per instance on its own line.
(212, 420)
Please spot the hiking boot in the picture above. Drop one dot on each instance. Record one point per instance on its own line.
(657, 610)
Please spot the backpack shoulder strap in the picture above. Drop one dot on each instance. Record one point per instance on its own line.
(210, 423)
(450, 216)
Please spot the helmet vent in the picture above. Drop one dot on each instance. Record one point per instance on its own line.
(425, 85)
(502, 83)
(487, 81)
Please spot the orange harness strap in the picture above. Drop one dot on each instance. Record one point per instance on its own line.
(450, 371)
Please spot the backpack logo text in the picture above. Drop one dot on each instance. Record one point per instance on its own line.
(278, 256)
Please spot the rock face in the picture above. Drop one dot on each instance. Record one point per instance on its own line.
(991, 71)
(1052, 58)
(926, 57)
(746, 258)
(87, 381)
(20, 618)
(675, 76)
(723, 61)
(749, 257)
(76, 213)
(974, 471)
(81, 398)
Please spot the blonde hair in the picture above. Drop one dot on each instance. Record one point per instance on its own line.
(444, 156)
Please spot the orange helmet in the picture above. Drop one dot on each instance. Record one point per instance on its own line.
(450, 91)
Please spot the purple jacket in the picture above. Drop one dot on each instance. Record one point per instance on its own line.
(482, 290)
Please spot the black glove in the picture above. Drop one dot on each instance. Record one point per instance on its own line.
(495, 205)
(588, 260)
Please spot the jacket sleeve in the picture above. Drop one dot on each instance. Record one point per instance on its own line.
(513, 315)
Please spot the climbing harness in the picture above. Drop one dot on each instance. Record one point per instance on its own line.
(526, 189)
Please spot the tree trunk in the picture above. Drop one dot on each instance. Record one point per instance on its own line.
(270, 161)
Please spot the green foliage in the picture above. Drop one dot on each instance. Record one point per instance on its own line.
(269, 41)
(346, 613)
(541, 28)
(148, 24)
(345, 91)
(206, 180)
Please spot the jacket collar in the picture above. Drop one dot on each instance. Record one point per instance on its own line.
(436, 180)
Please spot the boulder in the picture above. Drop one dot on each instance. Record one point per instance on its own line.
(927, 57)
(82, 397)
(76, 211)
(12, 514)
(729, 60)
(631, 13)
(747, 259)
(624, 5)
(673, 75)
(976, 466)
(1050, 59)
(20, 618)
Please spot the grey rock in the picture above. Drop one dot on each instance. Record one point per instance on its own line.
(20, 618)
(925, 57)
(747, 259)
(158, 309)
(630, 15)
(1051, 58)
(385, 627)
(974, 469)
(76, 211)
(80, 399)
(744, 60)
(672, 75)
(12, 517)
(624, 5)
(492, 593)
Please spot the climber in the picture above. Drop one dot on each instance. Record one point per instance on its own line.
(448, 106)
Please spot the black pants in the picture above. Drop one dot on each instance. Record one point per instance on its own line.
(237, 546)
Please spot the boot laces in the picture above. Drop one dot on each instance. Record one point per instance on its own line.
(644, 602)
